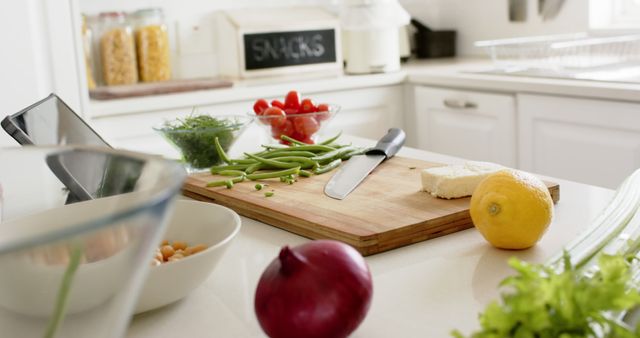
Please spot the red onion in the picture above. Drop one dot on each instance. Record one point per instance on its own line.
(318, 289)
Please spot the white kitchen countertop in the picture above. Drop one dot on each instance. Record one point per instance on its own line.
(461, 73)
(454, 73)
(422, 290)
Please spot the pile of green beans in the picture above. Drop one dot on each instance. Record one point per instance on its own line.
(286, 163)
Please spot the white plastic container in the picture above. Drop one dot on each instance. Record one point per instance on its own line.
(370, 35)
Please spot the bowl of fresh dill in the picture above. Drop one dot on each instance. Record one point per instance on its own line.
(194, 136)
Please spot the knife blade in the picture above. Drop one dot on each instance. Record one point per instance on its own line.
(349, 176)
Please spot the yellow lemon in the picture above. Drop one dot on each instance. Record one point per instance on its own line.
(511, 209)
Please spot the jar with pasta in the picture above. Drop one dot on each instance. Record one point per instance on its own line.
(152, 43)
(88, 57)
(117, 50)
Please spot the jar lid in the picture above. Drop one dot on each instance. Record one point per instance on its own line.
(149, 12)
(112, 14)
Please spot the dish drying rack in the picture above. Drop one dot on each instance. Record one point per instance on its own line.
(562, 52)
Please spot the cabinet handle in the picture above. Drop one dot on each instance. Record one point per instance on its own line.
(459, 104)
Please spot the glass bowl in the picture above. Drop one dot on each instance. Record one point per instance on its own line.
(196, 144)
(77, 228)
(301, 127)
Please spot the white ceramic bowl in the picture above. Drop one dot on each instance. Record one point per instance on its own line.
(195, 223)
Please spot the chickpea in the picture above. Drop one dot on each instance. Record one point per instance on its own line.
(194, 249)
(167, 251)
(174, 252)
(176, 257)
(179, 245)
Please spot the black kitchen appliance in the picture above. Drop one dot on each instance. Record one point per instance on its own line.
(433, 43)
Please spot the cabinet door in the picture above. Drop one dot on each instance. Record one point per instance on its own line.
(471, 125)
(590, 141)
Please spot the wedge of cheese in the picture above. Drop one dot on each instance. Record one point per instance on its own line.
(455, 181)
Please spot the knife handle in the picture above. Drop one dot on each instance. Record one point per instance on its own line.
(389, 144)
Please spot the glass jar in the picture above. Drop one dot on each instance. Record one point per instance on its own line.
(88, 57)
(117, 50)
(152, 42)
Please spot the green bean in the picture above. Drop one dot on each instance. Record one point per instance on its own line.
(231, 173)
(273, 163)
(253, 168)
(278, 153)
(326, 168)
(353, 153)
(274, 174)
(331, 140)
(275, 146)
(268, 194)
(338, 146)
(313, 148)
(229, 184)
(225, 182)
(292, 140)
(332, 155)
(299, 159)
(243, 161)
(216, 169)
(221, 152)
(305, 173)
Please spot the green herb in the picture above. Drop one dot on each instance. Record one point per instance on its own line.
(195, 136)
(543, 302)
(268, 194)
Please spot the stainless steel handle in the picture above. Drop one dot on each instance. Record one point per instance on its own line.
(459, 104)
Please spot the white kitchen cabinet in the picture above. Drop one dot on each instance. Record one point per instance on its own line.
(366, 112)
(472, 125)
(590, 141)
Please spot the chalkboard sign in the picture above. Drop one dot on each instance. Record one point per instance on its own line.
(280, 49)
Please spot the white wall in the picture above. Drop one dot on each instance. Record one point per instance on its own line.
(24, 67)
(488, 19)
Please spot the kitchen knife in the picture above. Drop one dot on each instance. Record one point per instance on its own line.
(358, 167)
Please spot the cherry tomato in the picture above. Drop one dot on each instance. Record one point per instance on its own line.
(307, 106)
(260, 106)
(275, 116)
(323, 107)
(306, 126)
(285, 129)
(292, 102)
(277, 103)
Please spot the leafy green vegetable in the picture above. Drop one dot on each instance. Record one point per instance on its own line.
(195, 136)
(543, 303)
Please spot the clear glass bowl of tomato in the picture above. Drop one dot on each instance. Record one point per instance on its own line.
(303, 127)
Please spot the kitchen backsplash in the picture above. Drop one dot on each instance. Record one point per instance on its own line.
(193, 32)
(471, 19)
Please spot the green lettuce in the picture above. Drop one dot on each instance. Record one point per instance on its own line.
(543, 303)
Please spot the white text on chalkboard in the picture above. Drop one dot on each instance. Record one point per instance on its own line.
(287, 48)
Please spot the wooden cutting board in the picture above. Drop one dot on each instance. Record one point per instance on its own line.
(387, 210)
